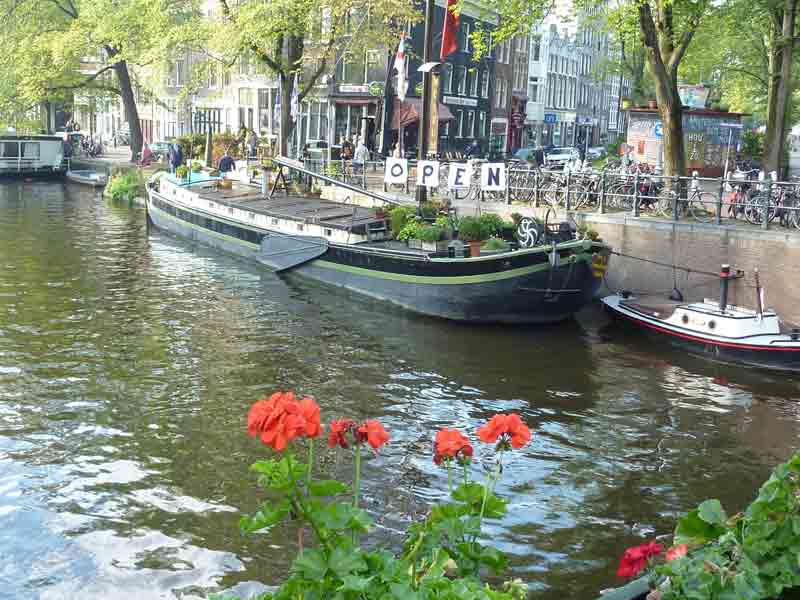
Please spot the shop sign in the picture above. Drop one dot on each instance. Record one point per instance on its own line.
(376, 88)
(550, 117)
(493, 175)
(349, 88)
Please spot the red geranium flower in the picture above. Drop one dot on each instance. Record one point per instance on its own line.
(635, 559)
(373, 432)
(677, 551)
(507, 428)
(337, 437)
(276, 420)
(451, 444)
(309, 411)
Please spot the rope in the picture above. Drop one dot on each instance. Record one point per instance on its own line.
(666, 265)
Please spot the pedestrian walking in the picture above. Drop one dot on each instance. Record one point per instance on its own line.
(360, 157)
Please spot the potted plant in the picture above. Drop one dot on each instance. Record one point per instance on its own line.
(472, 231)
(398, 217)
(724, 107)
(493, 224)
(494, 245)
(626, 103)
(182, 172)
(410, 233)
(652, 104)
(431, 236)
(197, 167)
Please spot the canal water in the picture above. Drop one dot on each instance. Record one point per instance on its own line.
(128, 362)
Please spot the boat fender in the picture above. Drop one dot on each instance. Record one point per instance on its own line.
(675, 295)
(625, 294)
(795, 335)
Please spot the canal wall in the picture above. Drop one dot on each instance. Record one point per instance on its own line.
(696, 246)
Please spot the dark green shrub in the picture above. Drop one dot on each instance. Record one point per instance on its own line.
(430, 233)
(493, 223)
(472, 229)
(126, 186)
(398, 217)
(494, 243)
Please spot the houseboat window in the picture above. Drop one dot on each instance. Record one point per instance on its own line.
(212, 205)
(328, 232)
(10, 150)
(300, 227)
(252, 216)
(274, 221)
(230, 210)
(30, 150)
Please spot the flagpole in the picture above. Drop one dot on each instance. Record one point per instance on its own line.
(425, 122)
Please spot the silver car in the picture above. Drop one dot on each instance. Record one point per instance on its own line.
(559, 156)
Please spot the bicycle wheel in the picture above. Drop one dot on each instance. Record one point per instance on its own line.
(620, 197)
(664, 203)
(702, 206)
(551, 194)
(755, 211)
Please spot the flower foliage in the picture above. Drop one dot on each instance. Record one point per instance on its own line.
(442, 556)
(750, 556)
(508, 429)
(635, 559)
(451, 444)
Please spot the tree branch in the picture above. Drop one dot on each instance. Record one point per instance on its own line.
(69, 11)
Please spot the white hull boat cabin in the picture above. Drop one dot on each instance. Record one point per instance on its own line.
(31, 155)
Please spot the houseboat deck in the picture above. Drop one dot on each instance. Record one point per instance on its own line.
(295, 207)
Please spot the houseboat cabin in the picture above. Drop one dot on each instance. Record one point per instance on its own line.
(31, 154)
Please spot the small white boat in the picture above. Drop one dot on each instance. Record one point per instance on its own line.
(717, 330)
(88, 177)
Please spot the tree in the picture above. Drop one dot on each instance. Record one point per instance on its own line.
(665, 27)
(65, 47)
(304, 37)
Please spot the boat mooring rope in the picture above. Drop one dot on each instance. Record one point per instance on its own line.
(666, 265)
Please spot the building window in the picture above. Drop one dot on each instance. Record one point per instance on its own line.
(481, 124)
(459, 123)
(485, 83)
(352, 70)
(375, 68)
(447, 78)
(536, 49)
(533, 89)
(474, 81)
(470, 124)
(462, 80)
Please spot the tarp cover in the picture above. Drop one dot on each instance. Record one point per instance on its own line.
(410, 111)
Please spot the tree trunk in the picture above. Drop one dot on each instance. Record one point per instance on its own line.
(771, 138)
(783, 92)
(129, 104)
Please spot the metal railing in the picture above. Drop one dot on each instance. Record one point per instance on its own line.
(739, 198)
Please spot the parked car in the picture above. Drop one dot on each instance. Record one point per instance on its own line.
(559, 156)
(596, 152)
(525, 154)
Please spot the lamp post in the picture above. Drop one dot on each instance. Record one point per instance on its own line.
(425, 121)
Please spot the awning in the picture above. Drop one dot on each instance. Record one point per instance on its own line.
(357, 101)
(410, 111)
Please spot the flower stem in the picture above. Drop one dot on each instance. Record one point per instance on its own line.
(310, 462)
(465, 472)
(357, 481)
(488, 488)
(449, 476)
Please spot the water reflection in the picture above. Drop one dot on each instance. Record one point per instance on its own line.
(127, 364)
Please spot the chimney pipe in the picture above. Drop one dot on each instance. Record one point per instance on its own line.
(724, 276)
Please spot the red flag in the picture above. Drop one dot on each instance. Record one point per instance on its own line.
(449, 39)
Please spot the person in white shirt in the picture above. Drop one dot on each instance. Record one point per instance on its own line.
(360, 157)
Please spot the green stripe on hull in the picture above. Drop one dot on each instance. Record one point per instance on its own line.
(444, 280)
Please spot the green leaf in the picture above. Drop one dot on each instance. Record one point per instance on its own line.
(343, 562)
(327, 487)
(495, 507)
(311, 564)
(268, 516)
(353, 583)
(711, 512)
(693, 530)
(337, 516)
(471, 493)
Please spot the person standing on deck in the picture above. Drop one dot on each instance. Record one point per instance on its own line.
(252, 142)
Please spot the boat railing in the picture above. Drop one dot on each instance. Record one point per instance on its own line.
(303, 170)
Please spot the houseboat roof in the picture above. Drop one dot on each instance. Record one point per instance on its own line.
(294, 207)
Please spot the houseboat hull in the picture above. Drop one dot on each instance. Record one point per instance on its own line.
(517, 287)
(754, 351)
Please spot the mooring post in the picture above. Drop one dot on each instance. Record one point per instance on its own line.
(536, 180)
(719, 200)
(767, 201)
(636, 194)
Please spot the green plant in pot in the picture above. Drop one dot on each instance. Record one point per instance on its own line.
(398, 217)
(182, 172)
(473, 231)
(410, 230)
(196, 167)
(493, 224)
(495, 245)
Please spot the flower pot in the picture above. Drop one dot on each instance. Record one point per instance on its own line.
(474, 248)
(652, 104)
(415, 244)
(626, 103)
